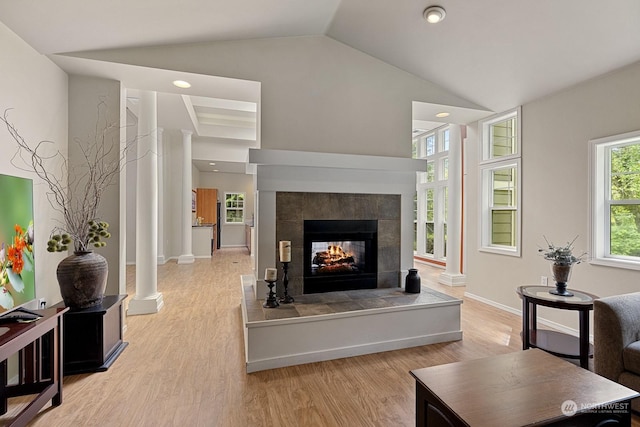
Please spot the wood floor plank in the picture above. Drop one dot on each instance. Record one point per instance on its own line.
(184, 366)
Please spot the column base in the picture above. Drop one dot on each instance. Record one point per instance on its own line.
(186, 259)
(161, 260)
(149, 305)
(455, 279)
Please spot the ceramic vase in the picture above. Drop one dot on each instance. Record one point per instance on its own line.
(412, 282)
(561, 274)
(82, 278)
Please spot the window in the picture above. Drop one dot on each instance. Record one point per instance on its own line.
(445, 140)
(429, 222)
(234, 208)
(501, 184)
(431, 172)
(430, 142)
(615, 200)
(431, 228)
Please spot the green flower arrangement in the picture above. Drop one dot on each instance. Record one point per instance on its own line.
(561, 255)
(96, 232)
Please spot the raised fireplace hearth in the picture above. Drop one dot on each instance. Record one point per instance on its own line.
(340, 255)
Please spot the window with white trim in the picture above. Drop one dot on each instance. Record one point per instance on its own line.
(500, 178)
(615, 200)
(234, 208)
(430, 222)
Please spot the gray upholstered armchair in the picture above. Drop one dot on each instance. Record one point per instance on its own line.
(616, 340)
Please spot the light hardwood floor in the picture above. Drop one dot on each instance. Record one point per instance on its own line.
(184, 365)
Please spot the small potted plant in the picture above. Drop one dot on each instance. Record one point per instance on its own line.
(563, 260)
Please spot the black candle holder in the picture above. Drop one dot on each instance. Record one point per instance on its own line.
(271, 301)
(286, 299)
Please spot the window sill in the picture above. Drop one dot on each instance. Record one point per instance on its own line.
(616, 263)
(500, 251)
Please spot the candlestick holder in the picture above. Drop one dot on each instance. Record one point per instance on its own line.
(271, 301)
(286, 299)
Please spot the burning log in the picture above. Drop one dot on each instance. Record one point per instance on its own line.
(333, 255)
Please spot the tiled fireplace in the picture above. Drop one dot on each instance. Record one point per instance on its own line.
(362, 250)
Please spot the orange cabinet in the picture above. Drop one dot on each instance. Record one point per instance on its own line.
(206, 201)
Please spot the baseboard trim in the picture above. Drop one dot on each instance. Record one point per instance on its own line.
(541, 320)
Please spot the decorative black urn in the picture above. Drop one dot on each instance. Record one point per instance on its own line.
(82, 278)
(412, 282)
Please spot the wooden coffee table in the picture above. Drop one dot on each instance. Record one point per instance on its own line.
(529, 387)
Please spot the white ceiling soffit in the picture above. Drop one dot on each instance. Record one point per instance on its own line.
(223, 118)
(144, 78)
(423, 111)
(220, 166)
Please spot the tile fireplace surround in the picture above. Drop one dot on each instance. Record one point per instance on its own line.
(293, 208)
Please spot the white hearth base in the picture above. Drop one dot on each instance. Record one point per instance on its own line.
(278, 343)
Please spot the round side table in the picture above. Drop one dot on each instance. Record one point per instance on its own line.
(556, 343)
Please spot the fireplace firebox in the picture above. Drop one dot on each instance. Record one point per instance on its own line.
(340, 255)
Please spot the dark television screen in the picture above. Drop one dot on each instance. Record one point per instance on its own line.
(17, 267)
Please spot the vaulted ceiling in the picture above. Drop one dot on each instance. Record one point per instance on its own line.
(495, 53)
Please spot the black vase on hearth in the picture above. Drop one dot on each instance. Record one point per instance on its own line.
(412, 282)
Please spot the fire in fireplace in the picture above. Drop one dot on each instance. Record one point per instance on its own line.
(340, 255)
(331, 258)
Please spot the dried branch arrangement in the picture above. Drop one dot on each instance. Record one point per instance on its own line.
(75, 190)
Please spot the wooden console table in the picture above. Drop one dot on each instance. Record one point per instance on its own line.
(40, 363)
(93, 336)
(525, 388)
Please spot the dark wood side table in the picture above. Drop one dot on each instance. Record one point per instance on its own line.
(525, 388)
(93, 336)
(557, 343)
(40, 359)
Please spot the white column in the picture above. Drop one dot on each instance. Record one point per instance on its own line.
(161, 258)
(147, 299)
(452, 275)
(187, 252)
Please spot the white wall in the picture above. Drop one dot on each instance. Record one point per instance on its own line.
(173, 155)
(317, 94)
(555, 189)
(36, 91)
(231, 234)
(84, 95)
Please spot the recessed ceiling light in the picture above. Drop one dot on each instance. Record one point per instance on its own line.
(211, 164)
(434, 14)
(181, 84)
(216, 170)
(442, 115)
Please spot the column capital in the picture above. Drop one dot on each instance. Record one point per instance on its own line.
(186, 132)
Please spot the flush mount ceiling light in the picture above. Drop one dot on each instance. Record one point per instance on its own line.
(181, 84)
(434, 14)
(442, 115)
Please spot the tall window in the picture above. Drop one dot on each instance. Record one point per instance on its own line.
(615, 201)
(431, 229)
(234, 208)
(500, 177)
